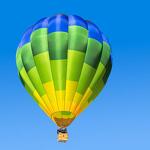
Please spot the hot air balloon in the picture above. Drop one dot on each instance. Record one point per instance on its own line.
(63, 62)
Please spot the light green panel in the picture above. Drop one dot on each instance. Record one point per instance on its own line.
(85, 78)
(74, 64)
(99, 74)
(34, 77)
(29, 91)
(26, 79)
(43, 66)
(78, 38)
(59, 69)
(39, 41)
(19, 60)
(27, 83)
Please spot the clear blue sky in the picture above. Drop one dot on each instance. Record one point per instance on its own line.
(119, 119)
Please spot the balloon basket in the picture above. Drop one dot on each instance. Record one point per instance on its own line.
(62, 135)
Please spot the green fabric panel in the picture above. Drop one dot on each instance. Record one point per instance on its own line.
(96, 90)
(98, 87)
(74, 64)
(65, 112)
(105, 53)
(93, 52)
(108, 70)
(43, 66)
(31, 93)
(34, 77)
(39, 41)
(27, 57)
(21, 70)
(22, 81)
(27, 83)
(22, 73)
(59, 69)
(85, 78)
(99, 74)
(19, 60)
(26, 79)
(101, 69)
(58, 45)
(101, 82)
(29, 90)
(78, 38)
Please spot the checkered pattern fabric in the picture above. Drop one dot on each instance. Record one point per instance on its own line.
(63, 62)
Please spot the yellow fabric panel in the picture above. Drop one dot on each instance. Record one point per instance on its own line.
(41, 103)
(92, 97)
(48, 104)
(35, 93)
(81, 109)
(75, 102)
(50, 91)
(87, 94)
(71, 87)
(60, 96)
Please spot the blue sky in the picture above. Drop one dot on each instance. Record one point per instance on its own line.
(119, 118)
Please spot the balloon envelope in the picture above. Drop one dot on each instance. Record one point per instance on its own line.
(63, 62)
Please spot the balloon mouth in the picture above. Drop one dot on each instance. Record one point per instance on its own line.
(63, 118)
